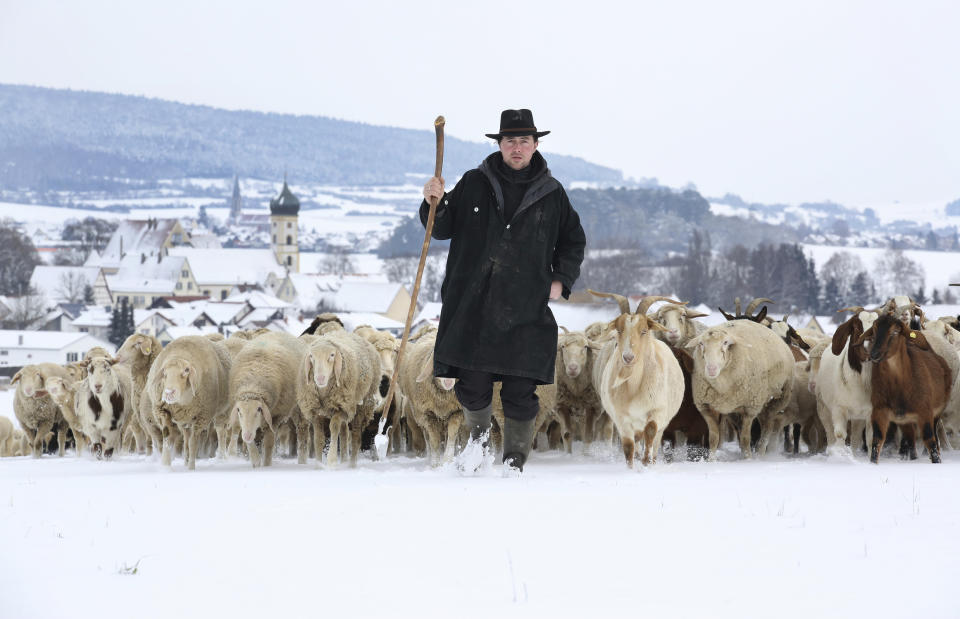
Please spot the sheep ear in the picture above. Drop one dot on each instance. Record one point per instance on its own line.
(592, 345)
(16, 377)
(308, 368)
(337, 367)
(656, 326)
(192, 379)
(267, 417)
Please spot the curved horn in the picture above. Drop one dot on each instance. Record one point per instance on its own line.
(756, 303)
(856, 309)
(564, 329)
(621, 300)
(736, 307)
(646, 302)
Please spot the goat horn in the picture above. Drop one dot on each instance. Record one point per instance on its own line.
(756, 303)
(736, 306)
(856, 309)
(621, 300)
(564, 329)
(646, 302)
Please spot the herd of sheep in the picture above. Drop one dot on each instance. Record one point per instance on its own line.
(642, 380)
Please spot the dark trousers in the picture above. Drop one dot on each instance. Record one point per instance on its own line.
(475, 391)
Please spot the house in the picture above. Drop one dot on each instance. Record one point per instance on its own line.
(217, 271)
(141, 279)
(60, 318)
(94, 320)
(345, 295)
(20, 348)
(66, 284)
(171, 333)
(146, 238)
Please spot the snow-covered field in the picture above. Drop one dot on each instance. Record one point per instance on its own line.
(575, 536)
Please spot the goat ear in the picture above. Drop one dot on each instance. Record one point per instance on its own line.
(866, 335)
(593, 345)
(696, 314)
(337, 367)
(918, 339)
(840, 337)
(16, 377)
(656, 326)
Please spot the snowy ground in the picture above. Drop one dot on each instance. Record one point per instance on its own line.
(575, 536)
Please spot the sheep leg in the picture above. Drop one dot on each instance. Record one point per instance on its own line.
(319, 436)
(434, 437)
(191, 445)
(42, 431)
(61, 439)
(880, 421)
(930, 440)
(589, 425)
(303, 440)
(418, 442)
(563, 418)
(454, 422)
(712, 419)
(269, 440)
(796, 438)
(333, 455)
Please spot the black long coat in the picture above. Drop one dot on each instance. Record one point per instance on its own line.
(495, 316)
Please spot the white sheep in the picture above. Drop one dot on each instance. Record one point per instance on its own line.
(188, 386)
(337, 382)
(263, 392)
(104, 402)
(429, 401)
(638, 379)
(680, 322)
(36, 411)
(8, 440)
(137, 354)
(742, 368)
(63, 391)
(578, 404)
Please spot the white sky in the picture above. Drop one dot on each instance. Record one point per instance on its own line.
(851, 101)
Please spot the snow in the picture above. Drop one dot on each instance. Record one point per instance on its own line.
(574, 536)
(940, 268)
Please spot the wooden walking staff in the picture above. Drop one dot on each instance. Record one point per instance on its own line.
(381, 439)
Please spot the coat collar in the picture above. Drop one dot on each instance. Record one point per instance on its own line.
(539, 188)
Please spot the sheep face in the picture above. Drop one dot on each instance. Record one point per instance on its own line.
(77, 371)
(573, 354)
(31, 381)
(135, 345)
(716, 350)
(101, 376)
(388, 356)
(674, 319)
(324, 364)
(252, 414)
(58, 389)
(178, 381)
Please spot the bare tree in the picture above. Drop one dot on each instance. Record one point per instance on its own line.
(25, 311)
(842, 267)
(896, 274)
(72, 287)
(337, 262)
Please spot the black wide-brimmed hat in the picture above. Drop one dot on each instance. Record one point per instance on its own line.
(517, 122)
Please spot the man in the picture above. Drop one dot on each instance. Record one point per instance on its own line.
(515, 243)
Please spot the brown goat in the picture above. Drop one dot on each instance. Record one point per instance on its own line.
(911, 383)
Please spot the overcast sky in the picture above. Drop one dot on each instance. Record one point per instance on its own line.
(858, 102)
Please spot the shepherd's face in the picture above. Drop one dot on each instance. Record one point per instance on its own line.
(518, 150)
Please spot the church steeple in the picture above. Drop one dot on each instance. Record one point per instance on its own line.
(236, 202)
(284, 211)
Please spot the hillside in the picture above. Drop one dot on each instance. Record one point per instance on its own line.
(63, 139)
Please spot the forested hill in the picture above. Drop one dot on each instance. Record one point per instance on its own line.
(63, 139)
(656, 222)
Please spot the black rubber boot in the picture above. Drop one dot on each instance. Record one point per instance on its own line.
(517, 439)
(478, 422)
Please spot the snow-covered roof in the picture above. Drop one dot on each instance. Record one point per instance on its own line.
(205, 241)
(223, 267)
(258, 315)
(135, 237)
(153, 275)
(430, 313)
(93, 317)
(52, 281)
(362, 297)
(42, 340)
(352, 320)
(175, 332)
(258, 298)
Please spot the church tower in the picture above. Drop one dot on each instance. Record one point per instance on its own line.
(283, 228)
(236, 202)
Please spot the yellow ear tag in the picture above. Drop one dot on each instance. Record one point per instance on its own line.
(913, 334)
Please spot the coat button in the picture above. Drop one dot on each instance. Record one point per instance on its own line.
(476, 209)
(508, 226)
(445, 203)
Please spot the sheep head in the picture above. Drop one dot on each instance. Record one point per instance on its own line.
(178, 382)
(60, 389)
(136, 345)
(251, 414)
(96, 351)
(675, 318)
(31, 381)
(76, 371)
(715, 348)
(324, 364)
(573, 350)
